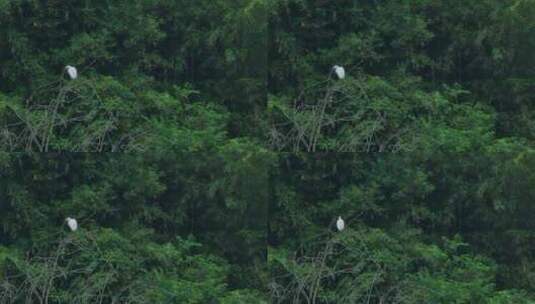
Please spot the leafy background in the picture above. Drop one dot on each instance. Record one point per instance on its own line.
(236, 134)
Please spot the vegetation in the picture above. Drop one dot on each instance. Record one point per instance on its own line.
(236, 148)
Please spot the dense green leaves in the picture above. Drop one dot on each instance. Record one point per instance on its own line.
(236, 130)
(152, 228)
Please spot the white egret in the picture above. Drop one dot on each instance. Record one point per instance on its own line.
(339, 71)
(340, 224)
(73, 73)
(72, 223)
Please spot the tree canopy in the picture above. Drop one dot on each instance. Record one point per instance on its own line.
(207, 148)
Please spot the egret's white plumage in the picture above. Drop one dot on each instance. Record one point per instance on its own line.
(72, 223)
(340, 224)
(339, 71)
(73, 73)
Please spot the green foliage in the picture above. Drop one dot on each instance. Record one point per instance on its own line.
(233, 129)
(370, 265)
(152, 229)
(91, 266)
